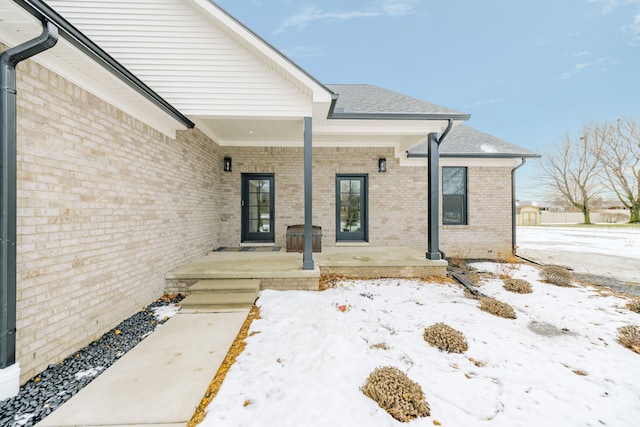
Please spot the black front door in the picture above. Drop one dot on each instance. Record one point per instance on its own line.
(258, 208)
(351, 208)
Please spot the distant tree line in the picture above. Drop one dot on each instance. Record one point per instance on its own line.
(604, 156)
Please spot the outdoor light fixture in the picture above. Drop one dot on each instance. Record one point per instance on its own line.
(227, 164)
(382, 164)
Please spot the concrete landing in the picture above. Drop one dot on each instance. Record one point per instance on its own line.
(160, 381)
(208, 295)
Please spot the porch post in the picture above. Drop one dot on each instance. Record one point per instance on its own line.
(433, 238)
(307, 256)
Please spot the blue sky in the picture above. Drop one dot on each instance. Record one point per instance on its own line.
(526, 71)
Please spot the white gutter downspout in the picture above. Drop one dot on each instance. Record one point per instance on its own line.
(9, 59)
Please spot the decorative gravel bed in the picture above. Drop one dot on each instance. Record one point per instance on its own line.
(48, 390)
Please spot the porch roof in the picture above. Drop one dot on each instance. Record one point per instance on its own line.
(464, 141)
(374, 100)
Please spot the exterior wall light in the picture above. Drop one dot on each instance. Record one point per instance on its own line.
(382, 164)
(227, 164)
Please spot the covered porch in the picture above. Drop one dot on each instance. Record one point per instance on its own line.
(281, 270)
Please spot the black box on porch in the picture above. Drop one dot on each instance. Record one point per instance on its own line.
(295, 238)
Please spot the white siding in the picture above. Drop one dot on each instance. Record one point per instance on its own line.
(186, 58)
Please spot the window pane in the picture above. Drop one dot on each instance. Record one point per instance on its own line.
(454, 195)
(454, 180)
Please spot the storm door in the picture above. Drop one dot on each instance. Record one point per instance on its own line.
(258, 208)
(351, 208)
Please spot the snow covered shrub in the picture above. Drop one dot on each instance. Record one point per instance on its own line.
(557, 275)
(634, 305)
(396, 393)
(446, 338)
(499, 308)
(629, 336)
(518, 286)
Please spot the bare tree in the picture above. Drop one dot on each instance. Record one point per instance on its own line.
(620, 158)
(571, 170)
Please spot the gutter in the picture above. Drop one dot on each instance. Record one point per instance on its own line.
(474, 155)
(9, 59)
(44, 12)
(513, 205)
(397, 116)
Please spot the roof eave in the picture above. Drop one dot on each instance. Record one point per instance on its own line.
(398, 116)
(42, 11)
(477, 155)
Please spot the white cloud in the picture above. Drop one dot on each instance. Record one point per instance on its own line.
(312, 13)
(480, 103)
(397, 8)
(579, 67)
(608, 6)
(583, 53)
(634, 28)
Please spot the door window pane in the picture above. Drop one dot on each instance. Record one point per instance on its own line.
(350, 207)
(259, 206)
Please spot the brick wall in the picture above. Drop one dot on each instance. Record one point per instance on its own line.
(106, 205)
(488, 233)
(397, 199)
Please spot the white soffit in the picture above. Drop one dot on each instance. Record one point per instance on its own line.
(462, 161)
(18, 26)
(193, 55)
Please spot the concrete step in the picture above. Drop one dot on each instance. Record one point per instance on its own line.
(225, 286)
(219, 300)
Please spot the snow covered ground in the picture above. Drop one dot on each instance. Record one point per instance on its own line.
(556, 364)
(604, 251)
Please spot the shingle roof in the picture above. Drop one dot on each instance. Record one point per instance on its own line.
(465, 141)
(370, 99)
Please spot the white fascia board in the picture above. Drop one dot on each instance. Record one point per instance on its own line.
(230, 143)
(461, 161)
(209, 11)
(376, 127)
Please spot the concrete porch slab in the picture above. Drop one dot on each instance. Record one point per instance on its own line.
(283, 270)
(379, 261)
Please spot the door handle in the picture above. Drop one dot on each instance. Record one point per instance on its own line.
(242, 203)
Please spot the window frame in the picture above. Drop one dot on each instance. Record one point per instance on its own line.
(464, 215)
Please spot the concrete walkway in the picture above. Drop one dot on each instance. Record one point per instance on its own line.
(161, 380)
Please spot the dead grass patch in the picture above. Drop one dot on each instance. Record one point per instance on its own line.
(396, 393)
(629, 337)
(634, 305)
(557, 275)
(518, 286)
(234, 351)
(380, 346)
(446, 338)
(497, 308)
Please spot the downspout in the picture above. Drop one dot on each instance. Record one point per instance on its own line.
(433, 184)
(8, 141)
(513, 205)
